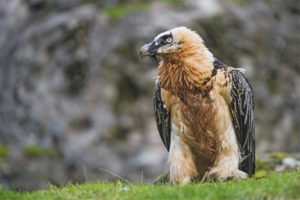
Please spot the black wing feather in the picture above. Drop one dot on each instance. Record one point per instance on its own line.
(162, 117)
(242, 113)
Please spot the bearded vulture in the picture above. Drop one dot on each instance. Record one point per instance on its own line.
(204, 110)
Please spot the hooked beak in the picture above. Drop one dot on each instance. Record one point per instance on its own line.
(144, 51)
(149, 50)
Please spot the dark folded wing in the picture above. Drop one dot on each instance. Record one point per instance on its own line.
(242, 112)
(162, 117)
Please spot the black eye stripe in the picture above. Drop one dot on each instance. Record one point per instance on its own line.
(164, 37)
(162, 40)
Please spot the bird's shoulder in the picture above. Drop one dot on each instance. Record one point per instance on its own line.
(222, 83)
(169, 99)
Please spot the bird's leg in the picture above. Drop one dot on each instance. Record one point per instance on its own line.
(227, 159)
(181, 162)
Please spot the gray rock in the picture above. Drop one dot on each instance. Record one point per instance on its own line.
(291, 163)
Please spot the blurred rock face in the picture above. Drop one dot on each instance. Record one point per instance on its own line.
(76, 99)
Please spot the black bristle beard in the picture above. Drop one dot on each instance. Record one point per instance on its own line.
(154, 58)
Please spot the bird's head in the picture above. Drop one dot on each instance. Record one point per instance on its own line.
(179, 41)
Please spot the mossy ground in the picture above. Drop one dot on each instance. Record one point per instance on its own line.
(33, 151)
(274, 186)
(3, 151)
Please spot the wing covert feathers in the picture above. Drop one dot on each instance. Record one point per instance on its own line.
(162, 117)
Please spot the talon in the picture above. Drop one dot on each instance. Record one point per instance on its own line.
(223, 179)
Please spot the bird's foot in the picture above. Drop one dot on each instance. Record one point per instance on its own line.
(219, 174)
(181, 181)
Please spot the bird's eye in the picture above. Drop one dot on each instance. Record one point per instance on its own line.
(169, 40)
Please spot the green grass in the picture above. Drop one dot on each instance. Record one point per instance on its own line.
(275, 186)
